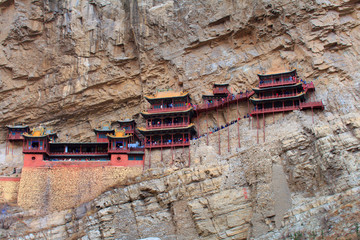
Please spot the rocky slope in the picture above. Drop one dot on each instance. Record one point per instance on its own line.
(72, 64)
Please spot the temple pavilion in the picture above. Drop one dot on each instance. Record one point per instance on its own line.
(220, 91)
(168, 120)
(15, 132)
(281, 92)
(119, 149)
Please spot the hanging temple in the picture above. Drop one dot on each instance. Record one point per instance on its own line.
(168, 125)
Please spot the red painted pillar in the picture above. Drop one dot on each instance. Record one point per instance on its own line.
(217, 113)
(238, 120)
(189, 157)
(247, 97)
(150, 159)
(273, 112)
(228, 126)
(264, 125)
(257, 128)
(198, 123)
(207, 129)
(161, 147)
(172, 143)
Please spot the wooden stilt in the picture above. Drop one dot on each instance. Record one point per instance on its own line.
(228, 122)
(144, 159)
(238, 121)
(161, 148)
(217, 113)
(248, 107)
(198, 123)
(273, 113)
(264, 125)
(257, 128)
(207, 129)
(150, 159)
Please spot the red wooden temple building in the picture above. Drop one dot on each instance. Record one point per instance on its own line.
(116, 149)
(168, 121)
(15, 133)
(281, 92)
(102, 132)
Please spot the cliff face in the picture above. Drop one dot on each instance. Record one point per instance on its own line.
(72, 64)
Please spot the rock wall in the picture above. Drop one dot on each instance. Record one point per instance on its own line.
(59, 188)
(9, 188)
(71, 64)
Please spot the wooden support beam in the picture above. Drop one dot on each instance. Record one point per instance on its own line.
(238, 120)
(264, 125)
(161, 147)
(248, 107)
(207, 129)
(257, 128)
(198, 123)
(217, 113)
(144, 159)
(273, 112)
(228, 122)
(150, 159)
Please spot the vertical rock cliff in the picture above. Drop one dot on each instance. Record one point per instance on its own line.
(74, 63)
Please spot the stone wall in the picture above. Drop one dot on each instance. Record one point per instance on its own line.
(58, 188)
(9, 188)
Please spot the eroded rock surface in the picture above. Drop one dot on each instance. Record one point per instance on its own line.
(72, 64)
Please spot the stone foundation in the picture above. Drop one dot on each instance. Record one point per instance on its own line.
(49, 189)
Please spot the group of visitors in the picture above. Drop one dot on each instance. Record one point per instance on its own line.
(216, 128)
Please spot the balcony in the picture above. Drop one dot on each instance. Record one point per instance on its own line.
(168, 109)
(14, 137)
(278, 96)
(126, 150)
(307, 105)
(27, 149)
(80, 153)
(309, 86)
(160, 144)
(167, 125)
(281, 82)
(273, 110)
(220, 91)
(220, 103)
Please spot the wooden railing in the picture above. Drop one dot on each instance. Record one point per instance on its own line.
(77, 153)
(167, 125)
(318, 104)
(220, 91)
(168, 109)
(167, 144)
(27, 149)
(17, 136)
(274, 83)
(279, 96)
(221, 103)
(126, 149)
(274, 109)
